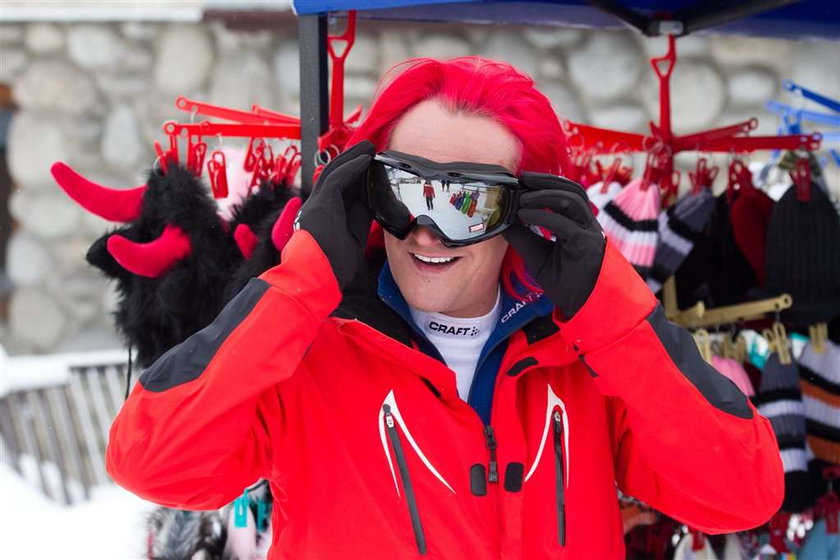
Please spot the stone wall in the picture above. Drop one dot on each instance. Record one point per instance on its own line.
(95, 96)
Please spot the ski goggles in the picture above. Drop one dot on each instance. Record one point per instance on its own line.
(463, 203)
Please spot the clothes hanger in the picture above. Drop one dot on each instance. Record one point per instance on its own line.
(823, 100)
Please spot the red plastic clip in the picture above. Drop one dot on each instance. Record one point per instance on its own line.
(653, 169)
(607, 175)
(703, 176)
(669, 185)
(196, 151)
(217, 169)
(740, 177)
(801, 177)
(162, 157)
(254, 153)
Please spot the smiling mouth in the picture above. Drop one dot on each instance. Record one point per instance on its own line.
(433, 261)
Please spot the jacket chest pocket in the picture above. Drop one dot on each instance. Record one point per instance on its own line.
(396, 438)
(554, 446)
(396, 447)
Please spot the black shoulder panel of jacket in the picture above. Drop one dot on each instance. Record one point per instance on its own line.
(718, 390)
(189, 359)
(361, 301)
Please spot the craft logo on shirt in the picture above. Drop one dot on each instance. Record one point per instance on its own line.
(533, 296)
(451, 329)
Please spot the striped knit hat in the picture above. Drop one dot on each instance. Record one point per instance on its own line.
(679, 228)
(630, 222)
(780, 401)
(599, 196)
(821, 394)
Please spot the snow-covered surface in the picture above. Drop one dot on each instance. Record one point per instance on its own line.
(32, 372)
(108, 527)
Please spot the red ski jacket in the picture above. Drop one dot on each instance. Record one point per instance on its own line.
(371, 453)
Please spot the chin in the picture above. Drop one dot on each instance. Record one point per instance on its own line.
(426, 297)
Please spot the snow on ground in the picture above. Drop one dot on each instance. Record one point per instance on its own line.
(108, 527)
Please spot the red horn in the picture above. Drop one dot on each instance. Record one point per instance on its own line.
(284, 226)
(115, 205)
(154, 258)
(245, 240)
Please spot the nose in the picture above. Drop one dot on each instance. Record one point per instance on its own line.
(425, 237)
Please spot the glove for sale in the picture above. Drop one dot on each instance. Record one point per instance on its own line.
(336, 214)
(567, 265)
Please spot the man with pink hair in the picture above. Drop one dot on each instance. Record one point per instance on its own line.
(472, 393)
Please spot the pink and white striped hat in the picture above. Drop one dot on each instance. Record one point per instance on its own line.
(630, 221)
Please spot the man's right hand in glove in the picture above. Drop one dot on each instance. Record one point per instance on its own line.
(336, 214)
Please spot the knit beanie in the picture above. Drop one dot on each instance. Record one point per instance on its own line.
(599, 195)
(750, 216)
(630, 222)
(820, 385)
(734, 372)
(803, 256)
(779, 399)
(679, 227)
(715, 272)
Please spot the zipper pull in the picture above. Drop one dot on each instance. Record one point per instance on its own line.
(493, 474)
(389, 418)
(560, 478)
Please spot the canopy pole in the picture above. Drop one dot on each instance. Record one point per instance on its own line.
(314, 92)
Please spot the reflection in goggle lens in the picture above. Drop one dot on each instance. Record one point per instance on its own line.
(461, 210)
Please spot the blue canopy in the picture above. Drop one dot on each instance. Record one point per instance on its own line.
(818, 18)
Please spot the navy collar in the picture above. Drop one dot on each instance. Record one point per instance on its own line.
(515, 314)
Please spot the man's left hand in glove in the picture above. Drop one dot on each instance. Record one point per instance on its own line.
(566, 266)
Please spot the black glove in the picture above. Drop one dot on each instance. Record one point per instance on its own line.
(565, 268)
(336, 214)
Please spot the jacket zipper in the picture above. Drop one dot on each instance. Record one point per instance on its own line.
(560, 482)
(394, 438)
(493, 470)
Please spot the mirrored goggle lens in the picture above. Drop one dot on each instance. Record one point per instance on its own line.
(461, 210)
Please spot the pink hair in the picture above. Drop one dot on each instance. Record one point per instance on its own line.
(483, 87)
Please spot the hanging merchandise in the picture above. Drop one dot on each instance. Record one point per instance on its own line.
(630, 220)
(779, 399)
(750, 216)
(735, 372)
(170, 230)
(602, 192)
(820, 385)
(681, 225)
(803, 254)
(715, 272)
(694, 546)
(611, 180)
